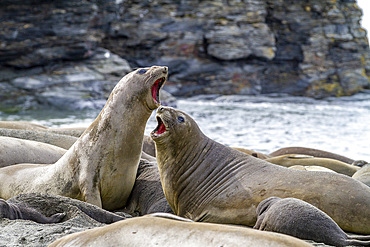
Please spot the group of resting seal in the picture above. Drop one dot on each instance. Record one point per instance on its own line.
(202, 180)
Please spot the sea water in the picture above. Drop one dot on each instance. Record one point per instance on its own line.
(263, 124)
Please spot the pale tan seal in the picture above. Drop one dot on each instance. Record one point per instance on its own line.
(13, 212)
(312, 152)
(15, 151)
(363, 175)
(59, 140)
(100, 168)
(311, 168)
(22, 125)
(302, 220)
(168, 232)
(204, 180)
(288, 160)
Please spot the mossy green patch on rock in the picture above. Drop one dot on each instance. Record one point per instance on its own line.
(323, 88)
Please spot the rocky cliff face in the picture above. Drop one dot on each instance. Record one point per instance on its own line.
(75, 51)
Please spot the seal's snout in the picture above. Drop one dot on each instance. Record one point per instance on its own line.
(160, 109)
(165, 69)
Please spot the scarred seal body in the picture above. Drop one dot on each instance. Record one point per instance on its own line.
(100, 167)
(204, 180)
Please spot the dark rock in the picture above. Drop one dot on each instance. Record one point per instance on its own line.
(50, 52)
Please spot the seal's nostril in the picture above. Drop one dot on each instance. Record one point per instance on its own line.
(160, 109)
(165, 69)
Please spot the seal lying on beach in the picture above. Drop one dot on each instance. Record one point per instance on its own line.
(204, 180)
(62, 141)
(288, 160)
(71, 208)
(170, 231)
(302, 220)
(312, 152)
(13, 211)
(15, 151)
(363, 175)
(100, 168)
(311, 168)
(147, 195)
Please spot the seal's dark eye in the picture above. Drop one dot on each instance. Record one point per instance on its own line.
(180, 119)
(142, 71)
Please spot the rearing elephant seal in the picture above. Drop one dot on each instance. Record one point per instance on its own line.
(204, 180)
(100, 168)
(302, 220)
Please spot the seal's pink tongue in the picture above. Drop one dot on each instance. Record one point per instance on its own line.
(155, 90)
(161, 129)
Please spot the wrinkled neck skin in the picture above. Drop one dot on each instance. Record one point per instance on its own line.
(189, 168)
(111, 146)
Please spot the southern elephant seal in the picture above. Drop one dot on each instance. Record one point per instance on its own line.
(363, 175)
(100, 168)
(311, 168)
(22, 125)
(63, 141)
(15, 151)
(312, 152)
(288, 160)
(72, 208)
(302, 220)
(13, 211)
(253, 153)
(204, 180)
(160, 231)
(147, 194)
(149, 146)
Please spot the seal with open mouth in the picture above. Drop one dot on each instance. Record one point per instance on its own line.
(100, 167)
(204, 180)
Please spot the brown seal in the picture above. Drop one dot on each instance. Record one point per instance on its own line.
(288, 160)
(169, 231)
(363, 175)
(302, 220)
(147, 195)
(204, 180)
(312, 152)
(100, 167)
(12, 211)
(253, 153)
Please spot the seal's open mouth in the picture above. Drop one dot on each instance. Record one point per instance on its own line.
(160, 129)
(156, 87)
